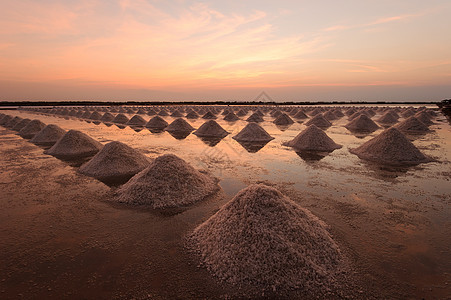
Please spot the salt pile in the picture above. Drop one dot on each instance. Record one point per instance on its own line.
(211, 129)
(32, 128)
(107, 117)
(390, 147)
(230, 117)
(253, 133)
(241, 113)
(169, 181)
(5, 119)
(163, 113)
(157, 122)
(151, 112)
(86, 115)
(255, 117)
(177, 114)
(49, 135)
(209, 115)
(408, 113)
(362, 124)
(424, 117)
(95, 116)
(179, 125)
(283, 119)
(120, 119)
(262, 238)
(192, 115)
(13, 122)
(18, 126)
(330, 116)
(313, 139)
(116, 162)
(412, 125)
(388, 118)
(300, 115)
(74, 144)
(137, 120)
(319, 121)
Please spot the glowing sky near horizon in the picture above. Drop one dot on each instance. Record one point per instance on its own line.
(191, 50)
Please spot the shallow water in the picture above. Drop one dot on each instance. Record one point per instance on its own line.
(59, 232)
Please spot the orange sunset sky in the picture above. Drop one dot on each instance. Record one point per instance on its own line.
(397, 50)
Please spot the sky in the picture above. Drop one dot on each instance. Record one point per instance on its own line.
(294, 50)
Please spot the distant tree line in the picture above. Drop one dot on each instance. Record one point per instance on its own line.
(139, 103)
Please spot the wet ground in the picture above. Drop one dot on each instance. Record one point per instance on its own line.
(61, 237)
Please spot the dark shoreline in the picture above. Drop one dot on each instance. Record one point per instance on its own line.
(141, 103)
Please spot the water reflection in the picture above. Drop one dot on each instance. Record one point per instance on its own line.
(283, 127)
(386, 172)
(137, 128)
(210, 141)
(155, 130)
(360, 134)
(252, 147)
(179, 135)
(310, 156)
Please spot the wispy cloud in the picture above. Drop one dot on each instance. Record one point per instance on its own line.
(384, 20)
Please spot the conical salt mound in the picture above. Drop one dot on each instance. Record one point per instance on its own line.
(253, 133)
(330, 116)
(210, 129)
(120, 119)
(137, 120)
(300, 115)
(179, 125)
(5, 119)
(408, 113)
(31, 129)
(157, 122)
(177, 114)
(390, 147)
(169, 181)
(319, 121)
(95, 116)
(20, 125)
(209, 115)
(192, 115)
(49, 135)
(313, 139)
(388, 118)
(283, 119)
(412, 125)
(74, 144)
(230, 117)
(241, 113)
(255, 117)
(116, 162)
(107, 117)
(86, 115)
(424, 117)
(362, 124)
(264, 239)
(13, 122)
